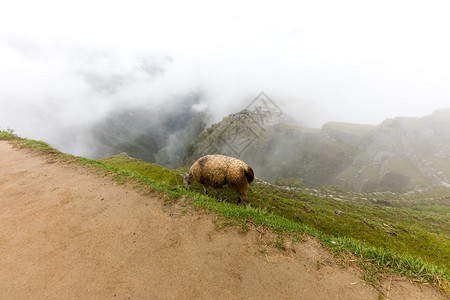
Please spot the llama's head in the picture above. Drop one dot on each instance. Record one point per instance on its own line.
(185, 180)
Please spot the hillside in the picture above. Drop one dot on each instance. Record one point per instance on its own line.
(399, 155)
(402, 154)
(412, 224)
(69, 231)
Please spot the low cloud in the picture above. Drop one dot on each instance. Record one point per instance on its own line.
(320, 62)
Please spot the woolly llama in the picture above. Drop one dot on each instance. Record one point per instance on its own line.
(217, 170)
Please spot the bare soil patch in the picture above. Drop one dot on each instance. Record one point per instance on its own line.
(66, 232)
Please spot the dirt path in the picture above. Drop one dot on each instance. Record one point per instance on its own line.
(66, 232)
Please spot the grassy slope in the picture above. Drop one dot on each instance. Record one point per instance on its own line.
(408, 238)
(440, 164)
(360, 130)
(404, 230)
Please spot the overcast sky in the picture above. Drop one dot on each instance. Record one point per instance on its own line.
(68, 63)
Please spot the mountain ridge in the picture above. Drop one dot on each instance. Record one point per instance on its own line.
(397, 155)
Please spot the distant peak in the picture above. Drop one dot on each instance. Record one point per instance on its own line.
(263, 103)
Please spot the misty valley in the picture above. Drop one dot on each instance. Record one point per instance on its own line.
(398, 155)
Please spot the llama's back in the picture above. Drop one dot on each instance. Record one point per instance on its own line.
(210, 170)
(216, 170)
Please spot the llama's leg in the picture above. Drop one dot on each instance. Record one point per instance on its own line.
(219, 198)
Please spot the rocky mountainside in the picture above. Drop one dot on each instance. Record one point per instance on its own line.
(398, 155)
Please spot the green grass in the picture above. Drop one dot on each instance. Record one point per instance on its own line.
(438, 163)
(355, 129)
(410, 236)
(403, 165)
(9, 134)
(339, 145)
(350, 173)
(154, 171)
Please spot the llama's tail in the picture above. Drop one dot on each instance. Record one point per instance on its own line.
(249, 174)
